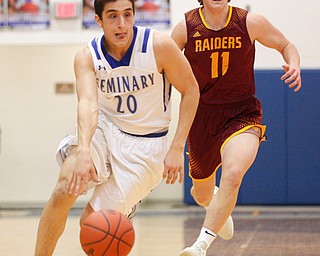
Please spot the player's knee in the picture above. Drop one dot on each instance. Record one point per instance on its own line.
(202, 199)
(233, 177)
(60, 193)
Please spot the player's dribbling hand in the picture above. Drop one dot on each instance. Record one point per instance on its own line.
(292, 76)
(83, 172)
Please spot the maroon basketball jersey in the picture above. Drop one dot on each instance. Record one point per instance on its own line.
(222, 60)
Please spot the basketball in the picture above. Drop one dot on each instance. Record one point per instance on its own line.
(107, 233)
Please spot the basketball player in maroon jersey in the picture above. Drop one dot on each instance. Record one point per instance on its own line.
(218, 40)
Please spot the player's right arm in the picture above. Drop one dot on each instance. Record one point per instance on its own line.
(87, 120)
(179, 34)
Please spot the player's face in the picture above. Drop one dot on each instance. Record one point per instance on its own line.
(117, 23)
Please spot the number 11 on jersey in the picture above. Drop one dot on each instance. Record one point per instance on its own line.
(215, 63)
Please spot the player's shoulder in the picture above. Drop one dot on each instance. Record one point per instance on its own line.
(83, 56)
(179, 34)
(257, 25)
(162, 40)
(165, 48)
(181, 24)
(180, 27)
(160, 35)
(256, 19)
(83, 52)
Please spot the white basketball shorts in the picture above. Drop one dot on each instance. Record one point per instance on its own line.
(129, 167)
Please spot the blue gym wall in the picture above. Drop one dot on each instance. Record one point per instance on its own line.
(286, 170)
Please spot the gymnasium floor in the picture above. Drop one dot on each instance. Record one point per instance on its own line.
(165, 229)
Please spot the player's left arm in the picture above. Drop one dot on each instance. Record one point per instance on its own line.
(176, 67)
(264, 32)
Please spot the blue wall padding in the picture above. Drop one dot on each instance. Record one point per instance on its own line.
(287, 168)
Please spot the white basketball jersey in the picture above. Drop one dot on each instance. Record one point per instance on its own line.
(132, 93)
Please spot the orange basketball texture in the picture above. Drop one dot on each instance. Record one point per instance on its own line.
(107, 233)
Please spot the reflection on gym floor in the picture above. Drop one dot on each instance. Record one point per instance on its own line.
(166, 230)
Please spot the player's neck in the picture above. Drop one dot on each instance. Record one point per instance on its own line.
(116, 51)
(216, 18)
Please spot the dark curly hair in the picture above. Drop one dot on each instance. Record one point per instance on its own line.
(201, 1)
(99, 6)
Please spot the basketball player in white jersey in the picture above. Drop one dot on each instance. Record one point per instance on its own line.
(123, 81)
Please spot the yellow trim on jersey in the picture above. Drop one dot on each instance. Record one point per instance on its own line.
(263, 129)
(200, 180)
(229, 17)
(206, 24)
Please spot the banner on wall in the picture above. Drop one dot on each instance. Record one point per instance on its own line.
(153, 13)
(28, 14)
(149, 13)
(2, 14)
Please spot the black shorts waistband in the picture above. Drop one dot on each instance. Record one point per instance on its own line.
(149, 135)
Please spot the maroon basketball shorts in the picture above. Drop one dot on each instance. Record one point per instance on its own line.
(213, 126)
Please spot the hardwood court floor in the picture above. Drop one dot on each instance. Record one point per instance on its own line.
(165, 231)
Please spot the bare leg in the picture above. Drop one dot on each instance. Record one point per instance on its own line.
(202, 191)
(237, 157)
(54, 216)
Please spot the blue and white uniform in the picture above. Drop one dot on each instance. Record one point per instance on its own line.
(130, 142)
(132, 92)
